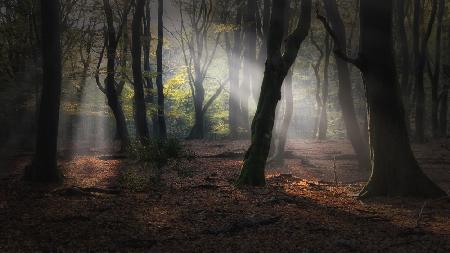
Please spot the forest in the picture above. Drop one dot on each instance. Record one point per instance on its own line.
(224, 126)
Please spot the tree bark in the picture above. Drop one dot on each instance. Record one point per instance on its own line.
(420, 67)
(278, 158)
(436, 75)
(149, 87)
(405, 64)
(159, 78)
(111, 92)
(248, 86)
(323, 121)
(277, 67)
(234, 67)
(345, 88)
(140, 111)
(44, 165)
(395, 171)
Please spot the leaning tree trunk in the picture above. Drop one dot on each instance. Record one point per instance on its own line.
(277, 67)
(140, 111)
(159, 78)
(395, 171)
(345, 88)
(44, 165)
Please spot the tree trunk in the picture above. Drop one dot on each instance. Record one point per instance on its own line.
(345, 88)
(395, 171)
(435, 77)
(111, 92)
(277, 67)
(420, 67)
(149, 87)
(197, 131)
(159, 78)
(405, 64)
(248, 87)
(44, 165)
(323, 121)
(278, 158)
(234, 66)
(140, 111)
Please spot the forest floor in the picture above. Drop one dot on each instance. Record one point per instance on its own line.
(107, 203)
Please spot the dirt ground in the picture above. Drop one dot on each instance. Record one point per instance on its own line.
(108, 203)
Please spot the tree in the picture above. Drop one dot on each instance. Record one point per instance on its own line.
(149, 86)
(159, 69)
(395, 171)
(323, 120)
(234, 51)
(140, 111)
(435, 73)
(345, 88)
(248, 86)
(420, 51)
(277, 67)
(112, 40)
(316, 68)
(198, 57)
(44, 165)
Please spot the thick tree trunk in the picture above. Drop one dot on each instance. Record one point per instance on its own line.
(159, 78)
(140, 111)
(44, 165)
(149, 87)
(345, 88)
(197, 131)
(277, 67)
(323, 120)
(395, 171)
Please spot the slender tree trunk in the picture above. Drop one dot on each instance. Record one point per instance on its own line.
(149, 87)
(277, 67)
(345, 88)
(405, 64)
(44, 165)
(248, 87)
(278, 158)
(159, 78)
(234, 66)
(395, 171)
(111, 92)
(435, 77)
(420, 67)
(140, 111)
(323, 121)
